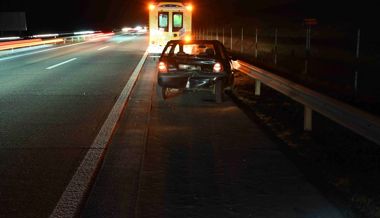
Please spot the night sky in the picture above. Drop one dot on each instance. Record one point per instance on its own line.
(71, 15)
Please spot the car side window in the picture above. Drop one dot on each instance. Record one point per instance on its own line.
(180, 50)
(167, 50)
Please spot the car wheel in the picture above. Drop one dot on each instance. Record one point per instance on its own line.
(162, 92)
(230, 85)
(232, 82)
(219, 91)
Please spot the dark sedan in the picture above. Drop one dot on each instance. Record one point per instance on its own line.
(193, 65)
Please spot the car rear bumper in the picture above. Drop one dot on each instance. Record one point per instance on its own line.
(180, 80)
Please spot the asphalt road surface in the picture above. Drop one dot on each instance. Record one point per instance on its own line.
(190, 157)
(183, 157)
(52, 105)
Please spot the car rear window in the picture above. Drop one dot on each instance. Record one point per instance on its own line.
(206, 50)
(177, 21)
(163, 21)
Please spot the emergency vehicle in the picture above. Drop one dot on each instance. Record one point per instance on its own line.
(168, 20)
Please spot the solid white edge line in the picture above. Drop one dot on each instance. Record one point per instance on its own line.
(71, 199)
(103, 48)
(62, 63)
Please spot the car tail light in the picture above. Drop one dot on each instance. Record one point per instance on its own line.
(162, 67)
(217, 67)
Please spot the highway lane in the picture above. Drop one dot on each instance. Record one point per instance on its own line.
(52, 105)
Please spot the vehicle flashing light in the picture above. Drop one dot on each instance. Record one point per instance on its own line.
(217, 68)
(187, 38)
(189, 7)
(151, 6)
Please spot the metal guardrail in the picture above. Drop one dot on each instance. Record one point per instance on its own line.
(34, 42)
(19, 42)
(360, 122)
(28, 43)
(10, 45)
(79, 38)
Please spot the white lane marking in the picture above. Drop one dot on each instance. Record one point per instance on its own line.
(71, 199)
(57, 65)
(103, 48)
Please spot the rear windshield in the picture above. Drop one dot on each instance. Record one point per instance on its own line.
(163, 21)
(200, 50)
(177, 21)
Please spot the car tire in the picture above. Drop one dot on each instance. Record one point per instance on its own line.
(219, 91)
(233, 82)
(162, 92)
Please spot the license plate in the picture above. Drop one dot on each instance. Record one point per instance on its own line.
(188, 67)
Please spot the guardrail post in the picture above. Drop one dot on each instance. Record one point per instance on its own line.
(231, 40)
(275, 46)
(223, 34)
(307, 49)
(308, 118)
(257, 87)
(242, 41)
(357, 63)
(256, 44)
